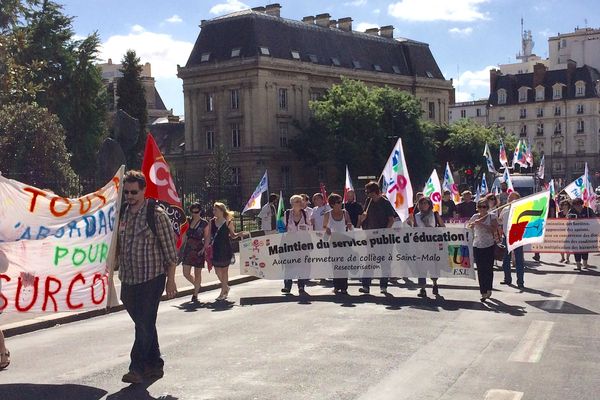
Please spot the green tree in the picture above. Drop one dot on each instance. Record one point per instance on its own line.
(357, 125)
(32, 148)
(219, 174)
(132, 100)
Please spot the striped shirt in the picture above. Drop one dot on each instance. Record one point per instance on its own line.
(142, 254)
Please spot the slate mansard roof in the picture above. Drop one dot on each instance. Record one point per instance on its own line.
(249, 30)
(512, 83)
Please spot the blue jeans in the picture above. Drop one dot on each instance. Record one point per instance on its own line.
(519, 265)
(141, 302)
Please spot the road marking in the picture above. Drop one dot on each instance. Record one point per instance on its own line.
(568, 279)
(501, 394)
(557, 301)
(532, 345)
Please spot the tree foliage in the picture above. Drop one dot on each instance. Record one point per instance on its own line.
(32, 148)
(357, 125)
(132, 100)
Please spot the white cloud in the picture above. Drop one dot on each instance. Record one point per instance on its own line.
(472, 85)
(175, 19)
(363, 26)
(438, 10)
(356, 3)
(547, 33)
(159, 49)
(376, 11)
(228, 7)
(461, 32)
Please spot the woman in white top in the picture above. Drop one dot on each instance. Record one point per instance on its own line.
(318, 211)
(485, 227)
(337, 220)
(296, 220)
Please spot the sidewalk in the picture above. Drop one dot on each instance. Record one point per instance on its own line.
(13, 323)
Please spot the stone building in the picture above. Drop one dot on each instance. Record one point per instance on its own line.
(476, 110)
(252, 73)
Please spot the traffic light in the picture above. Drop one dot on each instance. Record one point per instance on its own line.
(469, 177)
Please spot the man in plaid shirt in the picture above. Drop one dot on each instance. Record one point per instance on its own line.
(146, 261)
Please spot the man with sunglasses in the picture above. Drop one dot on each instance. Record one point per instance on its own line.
(146, 262)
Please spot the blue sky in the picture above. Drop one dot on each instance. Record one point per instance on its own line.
(467, 37)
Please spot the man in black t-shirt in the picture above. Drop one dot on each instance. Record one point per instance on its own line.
(467, 208)
(353, 207)
(448, 206)
(379, 214)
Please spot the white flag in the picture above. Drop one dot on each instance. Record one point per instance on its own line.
(433, 190)
(347, 185)
(396, 182)
(254, 202)
(540, 172)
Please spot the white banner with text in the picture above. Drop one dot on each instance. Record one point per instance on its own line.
(570, 236)
(400, 252)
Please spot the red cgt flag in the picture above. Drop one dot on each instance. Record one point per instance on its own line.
(160, 186)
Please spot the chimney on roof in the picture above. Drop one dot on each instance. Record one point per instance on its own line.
(323, 20)
(372, 31)
(571, 67)
(494, 74)
(273, 9)
(309, 19)
(387, 31)
(333, 23)
(345, 24)
(539, 70)
(259, 9)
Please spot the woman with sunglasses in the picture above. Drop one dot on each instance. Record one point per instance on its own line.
(337, 220)
(195, 242)
(485, 229)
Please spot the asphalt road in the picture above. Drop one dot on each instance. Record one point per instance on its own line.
(541, 343)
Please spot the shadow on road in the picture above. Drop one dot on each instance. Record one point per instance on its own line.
(560, 307)
(30, 391)
(138, 392)
(389, 301)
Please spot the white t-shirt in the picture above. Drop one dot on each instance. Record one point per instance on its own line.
(302, 225)
(483, 236)
(317, 216)
(335, 225)
(266, 216)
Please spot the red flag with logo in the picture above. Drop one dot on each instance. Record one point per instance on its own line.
(160, 186)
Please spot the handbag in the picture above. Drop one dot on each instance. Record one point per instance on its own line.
(499, 251)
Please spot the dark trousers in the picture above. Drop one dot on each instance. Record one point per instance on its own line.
(340, 283)
(383, 282)
(141, 302)
(581, 256)
(519, 265)
(287, 283)
(422, 282)
(484, 258)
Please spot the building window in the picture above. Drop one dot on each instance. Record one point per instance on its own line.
(523, 95)
(579, 108)
(539, 93)
(557, 92)
(501, 96)
(295, 55)
(283, 134)
(210, 102)
(431, 110)
(286, 177)
(210, 138)
(580, 145)
(235, 136)
(558, 146)
(205, 57)
(235, 52)
(478, 112)
(313, 58)
(540, 129)
(356, 64)
(377, 67)
(236, 176)
(580, 126)
(579, 89)
(556, 110)
(335, 61)
(264, 51)
(523, 131)
(316, 95)
(557, 128)
(523, 113)
(234, 94)
(283, 99)
(463, 113)
(429, 74)
(540, 112)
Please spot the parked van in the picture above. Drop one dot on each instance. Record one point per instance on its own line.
(522, 183)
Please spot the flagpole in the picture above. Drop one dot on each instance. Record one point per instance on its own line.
(112, 252)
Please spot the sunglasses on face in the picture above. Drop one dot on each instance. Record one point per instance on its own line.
(133, 192)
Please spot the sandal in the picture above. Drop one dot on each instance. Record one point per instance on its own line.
(5, 360)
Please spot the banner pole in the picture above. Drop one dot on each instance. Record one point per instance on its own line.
(112, 300)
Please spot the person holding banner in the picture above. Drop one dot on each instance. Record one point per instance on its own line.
(565, 206)
(4, 353)
(222, 232)
(379, 214)
(146, 263)
(296, 220)
(518, 252)
(318, 212)
(195, 243)
(578, 210)
(353, 207)
(337, 220)
(268, 214)
(426, 217)
(485, 229)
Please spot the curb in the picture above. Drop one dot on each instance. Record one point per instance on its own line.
(28, 326)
